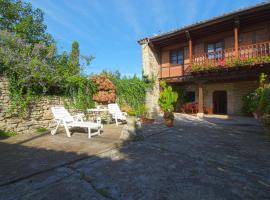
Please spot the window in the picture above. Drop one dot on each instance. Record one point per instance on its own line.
(177, 57)
(215, 50)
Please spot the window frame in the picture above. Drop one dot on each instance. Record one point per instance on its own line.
(214, 43)
(177, 51)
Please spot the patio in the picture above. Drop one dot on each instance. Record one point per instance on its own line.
(196, 159)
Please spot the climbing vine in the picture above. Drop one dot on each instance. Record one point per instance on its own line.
(130, 91)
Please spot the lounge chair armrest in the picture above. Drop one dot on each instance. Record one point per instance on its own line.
(124, 113)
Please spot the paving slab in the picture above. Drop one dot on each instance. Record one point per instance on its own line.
(196, 159)
(25, 155)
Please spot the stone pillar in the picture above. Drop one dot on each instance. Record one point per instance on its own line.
(150, 67)
(201, 104)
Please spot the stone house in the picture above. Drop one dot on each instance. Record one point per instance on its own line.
(216, 62)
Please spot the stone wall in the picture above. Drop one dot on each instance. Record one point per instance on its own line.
(39, 116)
(150, 66)
(235, 92)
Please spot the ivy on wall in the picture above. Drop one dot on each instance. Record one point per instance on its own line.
(130, 92)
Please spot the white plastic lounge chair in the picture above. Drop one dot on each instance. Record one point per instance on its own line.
(63, 118)
(116, 113)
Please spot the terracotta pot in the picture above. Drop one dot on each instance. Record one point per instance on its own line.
(210, 111)
(169, 122)
(145, 120)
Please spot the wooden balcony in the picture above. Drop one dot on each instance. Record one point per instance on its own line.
(247, 55)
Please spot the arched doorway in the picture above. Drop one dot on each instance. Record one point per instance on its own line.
(220, 102)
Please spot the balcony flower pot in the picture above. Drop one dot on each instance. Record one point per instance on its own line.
(168, 119)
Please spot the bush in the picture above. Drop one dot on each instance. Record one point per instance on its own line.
(105, 89)
(36, 69)
(167, 98)
(130, 91)
(259, 100)
(264, 102)
(250, 103)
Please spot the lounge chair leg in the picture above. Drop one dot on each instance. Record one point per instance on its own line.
(67, 130)
(116, 121)
(99, 132)
(53, 132)
(89, 133)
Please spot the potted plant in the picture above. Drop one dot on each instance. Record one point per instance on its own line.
(167, 100)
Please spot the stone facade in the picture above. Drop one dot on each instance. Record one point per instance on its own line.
(39, 116)
(150, 65)
(235, 91)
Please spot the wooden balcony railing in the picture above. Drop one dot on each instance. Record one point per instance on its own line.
(247, 55)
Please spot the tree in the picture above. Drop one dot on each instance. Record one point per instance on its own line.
(28, 23)
(74, 58)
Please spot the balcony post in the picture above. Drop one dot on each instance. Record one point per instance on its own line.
(190, 51)
(236, 31)
(189, 47)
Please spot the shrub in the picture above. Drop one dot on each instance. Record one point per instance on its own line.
(250, 103)
(167, 98)
(105, 90)
(130, 91)
(259, 100)
(264, 102)
(36, 69)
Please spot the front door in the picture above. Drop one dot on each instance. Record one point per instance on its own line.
(220, 102)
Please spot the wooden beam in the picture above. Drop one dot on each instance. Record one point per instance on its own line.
(189, 46)
(236, 27)
(190, 51)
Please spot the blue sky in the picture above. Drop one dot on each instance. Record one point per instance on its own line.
(110, 29)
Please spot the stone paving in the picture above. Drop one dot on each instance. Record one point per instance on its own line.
(196, 159)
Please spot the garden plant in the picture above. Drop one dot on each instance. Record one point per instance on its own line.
(167, 100)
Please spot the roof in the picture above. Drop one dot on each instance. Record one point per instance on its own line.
(205, 22)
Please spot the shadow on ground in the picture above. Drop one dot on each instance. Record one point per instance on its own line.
(193, 160)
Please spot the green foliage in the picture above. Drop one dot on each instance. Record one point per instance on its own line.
(250, 103)
(167, 97)
(36, 69)
(41, 130)
(264, 103)
(259, 100)
(74, 63)
(19, 17)
(130, 91)
(212, 64)
(80, 90)
(7, 134)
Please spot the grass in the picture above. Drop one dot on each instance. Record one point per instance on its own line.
(7, 134)
(41, 130)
